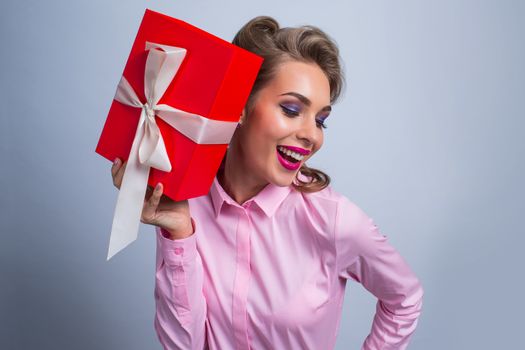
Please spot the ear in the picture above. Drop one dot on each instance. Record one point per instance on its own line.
(243, 116)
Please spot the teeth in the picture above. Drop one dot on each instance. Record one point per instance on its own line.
(290, 153)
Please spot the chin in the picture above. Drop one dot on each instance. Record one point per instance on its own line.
(284, 180)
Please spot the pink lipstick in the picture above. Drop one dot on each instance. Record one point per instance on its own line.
(286, 163)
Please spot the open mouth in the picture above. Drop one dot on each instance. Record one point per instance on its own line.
(291, 156)
(289, 159)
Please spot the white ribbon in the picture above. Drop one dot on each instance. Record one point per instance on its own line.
(148, 149)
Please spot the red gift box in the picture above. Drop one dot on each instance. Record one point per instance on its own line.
(181, 94)
(213, 81)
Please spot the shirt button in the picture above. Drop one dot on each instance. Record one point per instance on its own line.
(179, 251)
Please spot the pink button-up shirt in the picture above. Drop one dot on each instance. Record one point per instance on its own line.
(271, 274)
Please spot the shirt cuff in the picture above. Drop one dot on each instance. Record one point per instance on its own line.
(177, 252)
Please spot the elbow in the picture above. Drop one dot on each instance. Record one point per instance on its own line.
(409, 301)
(413, 301)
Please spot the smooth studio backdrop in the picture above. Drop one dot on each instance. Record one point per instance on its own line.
(428, 140)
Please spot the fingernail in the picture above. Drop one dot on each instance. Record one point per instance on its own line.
(157, 187)
(116, 161)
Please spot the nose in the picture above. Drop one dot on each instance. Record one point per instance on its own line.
(309, 133)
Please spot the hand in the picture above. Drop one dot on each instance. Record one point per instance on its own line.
(158, 209)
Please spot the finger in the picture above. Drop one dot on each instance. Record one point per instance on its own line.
(149, 192)
(116, 166)
(151, 205)
(117, 180)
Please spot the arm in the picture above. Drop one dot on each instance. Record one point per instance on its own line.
(365, 255)
(180, 304)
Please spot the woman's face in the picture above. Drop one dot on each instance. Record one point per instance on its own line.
(288, 115)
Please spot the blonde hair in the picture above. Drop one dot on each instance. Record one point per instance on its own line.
(263, 36)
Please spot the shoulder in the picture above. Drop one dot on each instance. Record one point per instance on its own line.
(346, 225)
(356, 233)
(348, 220)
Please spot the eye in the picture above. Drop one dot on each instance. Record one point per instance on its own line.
(290, 110)
(321, 122)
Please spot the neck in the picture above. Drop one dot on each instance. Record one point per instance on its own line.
(236, 179)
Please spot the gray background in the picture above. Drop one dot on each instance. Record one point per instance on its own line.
(428, 140)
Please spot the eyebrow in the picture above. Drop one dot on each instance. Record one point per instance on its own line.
(305, 100)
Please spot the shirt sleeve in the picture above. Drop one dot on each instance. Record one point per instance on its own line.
(365, 255)
(180, 306)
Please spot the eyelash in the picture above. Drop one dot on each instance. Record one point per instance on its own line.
(291, 112)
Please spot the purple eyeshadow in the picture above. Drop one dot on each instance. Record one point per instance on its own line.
(292, 107)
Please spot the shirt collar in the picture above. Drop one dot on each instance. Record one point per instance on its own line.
(268, 199)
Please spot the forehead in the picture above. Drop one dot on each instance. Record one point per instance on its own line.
(307, 79)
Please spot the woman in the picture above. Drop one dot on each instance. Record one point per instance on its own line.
(262, 261)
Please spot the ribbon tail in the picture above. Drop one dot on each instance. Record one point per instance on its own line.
(152, 150)
(159, 157)
(130, 199)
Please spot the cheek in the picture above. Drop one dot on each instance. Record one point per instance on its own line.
(321, 140)
(257, 143)
(271, 126)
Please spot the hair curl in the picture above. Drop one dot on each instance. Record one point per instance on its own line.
(263, 36)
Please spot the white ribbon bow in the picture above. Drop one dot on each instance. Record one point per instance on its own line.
(148, 149)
